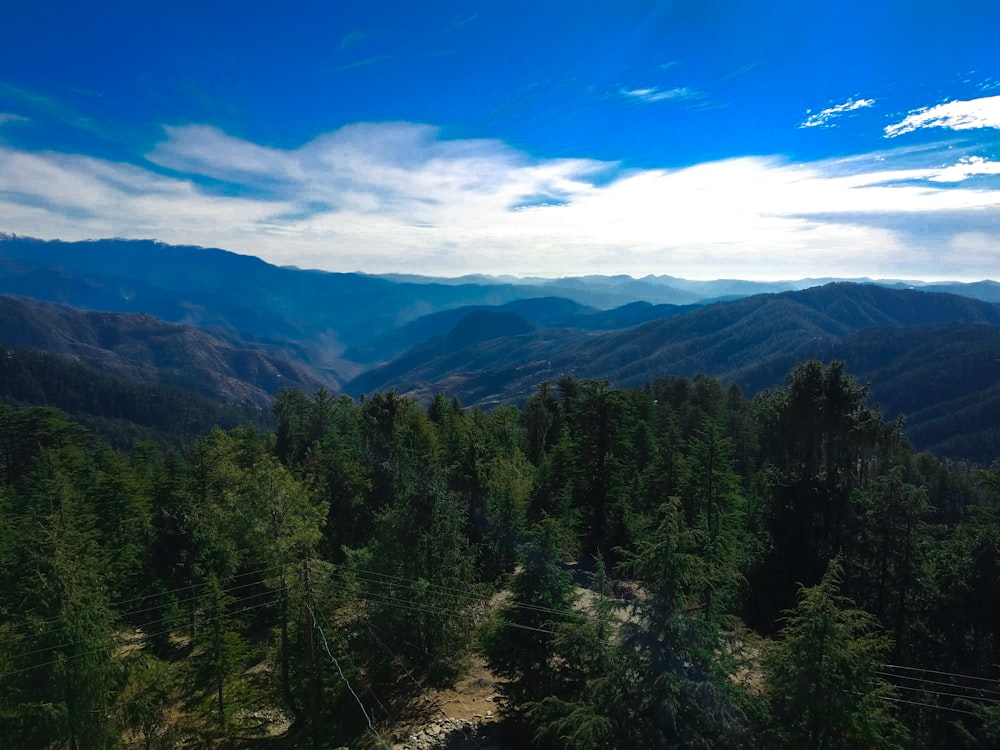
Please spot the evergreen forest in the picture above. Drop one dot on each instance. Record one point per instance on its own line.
(671, 565)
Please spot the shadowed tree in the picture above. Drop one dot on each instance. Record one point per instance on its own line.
(823, 685)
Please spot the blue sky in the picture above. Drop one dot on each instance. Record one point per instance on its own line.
(704, 138)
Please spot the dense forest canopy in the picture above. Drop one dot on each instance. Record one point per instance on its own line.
(668, 565)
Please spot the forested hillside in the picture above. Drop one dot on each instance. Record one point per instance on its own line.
(140, 347)
(726, 340)
(120, 410)
(931, 357)
(669, 565)
(945, 381)
(551, 312)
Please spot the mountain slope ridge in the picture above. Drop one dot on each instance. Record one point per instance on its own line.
(148, 349)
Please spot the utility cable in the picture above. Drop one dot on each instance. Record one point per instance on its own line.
(459, 593)
(930, 705)
(343, 677)
(415, 606)
(420, 687)
(938, 683)
(166, 592)
(342, 644)
(144, 638)
(945, 674)
(986, 701)
(181, 601)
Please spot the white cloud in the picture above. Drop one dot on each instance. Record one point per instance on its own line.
(397, 197)
(954, 115)
(823, 117)
(6, 117)
(966, 167)
(652, 95)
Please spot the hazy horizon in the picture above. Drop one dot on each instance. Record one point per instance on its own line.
(526, 277)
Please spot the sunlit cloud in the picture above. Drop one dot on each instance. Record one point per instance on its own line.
(954, 115)
(967, 167)
(823, 117)
(384, 197)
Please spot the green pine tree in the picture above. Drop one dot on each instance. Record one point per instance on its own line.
(823, 685)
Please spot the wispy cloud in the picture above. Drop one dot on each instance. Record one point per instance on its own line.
(6, 117)
(49, 107)
(822, 119)
(741, 71)
(398, 197)
(466, 20)
(655, 94)
(351, 38)
(954, 115)
(361, 63)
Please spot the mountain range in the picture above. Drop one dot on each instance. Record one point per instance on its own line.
(235, 329)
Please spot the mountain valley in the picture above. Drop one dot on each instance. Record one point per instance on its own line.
(240, 330)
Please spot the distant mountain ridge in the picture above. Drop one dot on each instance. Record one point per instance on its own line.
(328, 312)
(343, 323)
(325, 313)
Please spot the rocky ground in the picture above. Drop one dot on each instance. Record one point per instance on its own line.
(462, 717)
(449, 734)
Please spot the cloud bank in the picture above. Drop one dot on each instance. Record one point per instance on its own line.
(966, 167)
(384, 197)
(954, 115)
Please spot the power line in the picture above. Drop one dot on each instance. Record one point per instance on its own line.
(415, 606)
(461, 593)
(930, 705)
(343, 677)
(938, 683)
(343, 647)
(374, 575)
(182, 601)
(145, 638)
(946, 674)
(409, 674)
(419, 585)
(126, 615)
(176, 590)
(988, 701)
